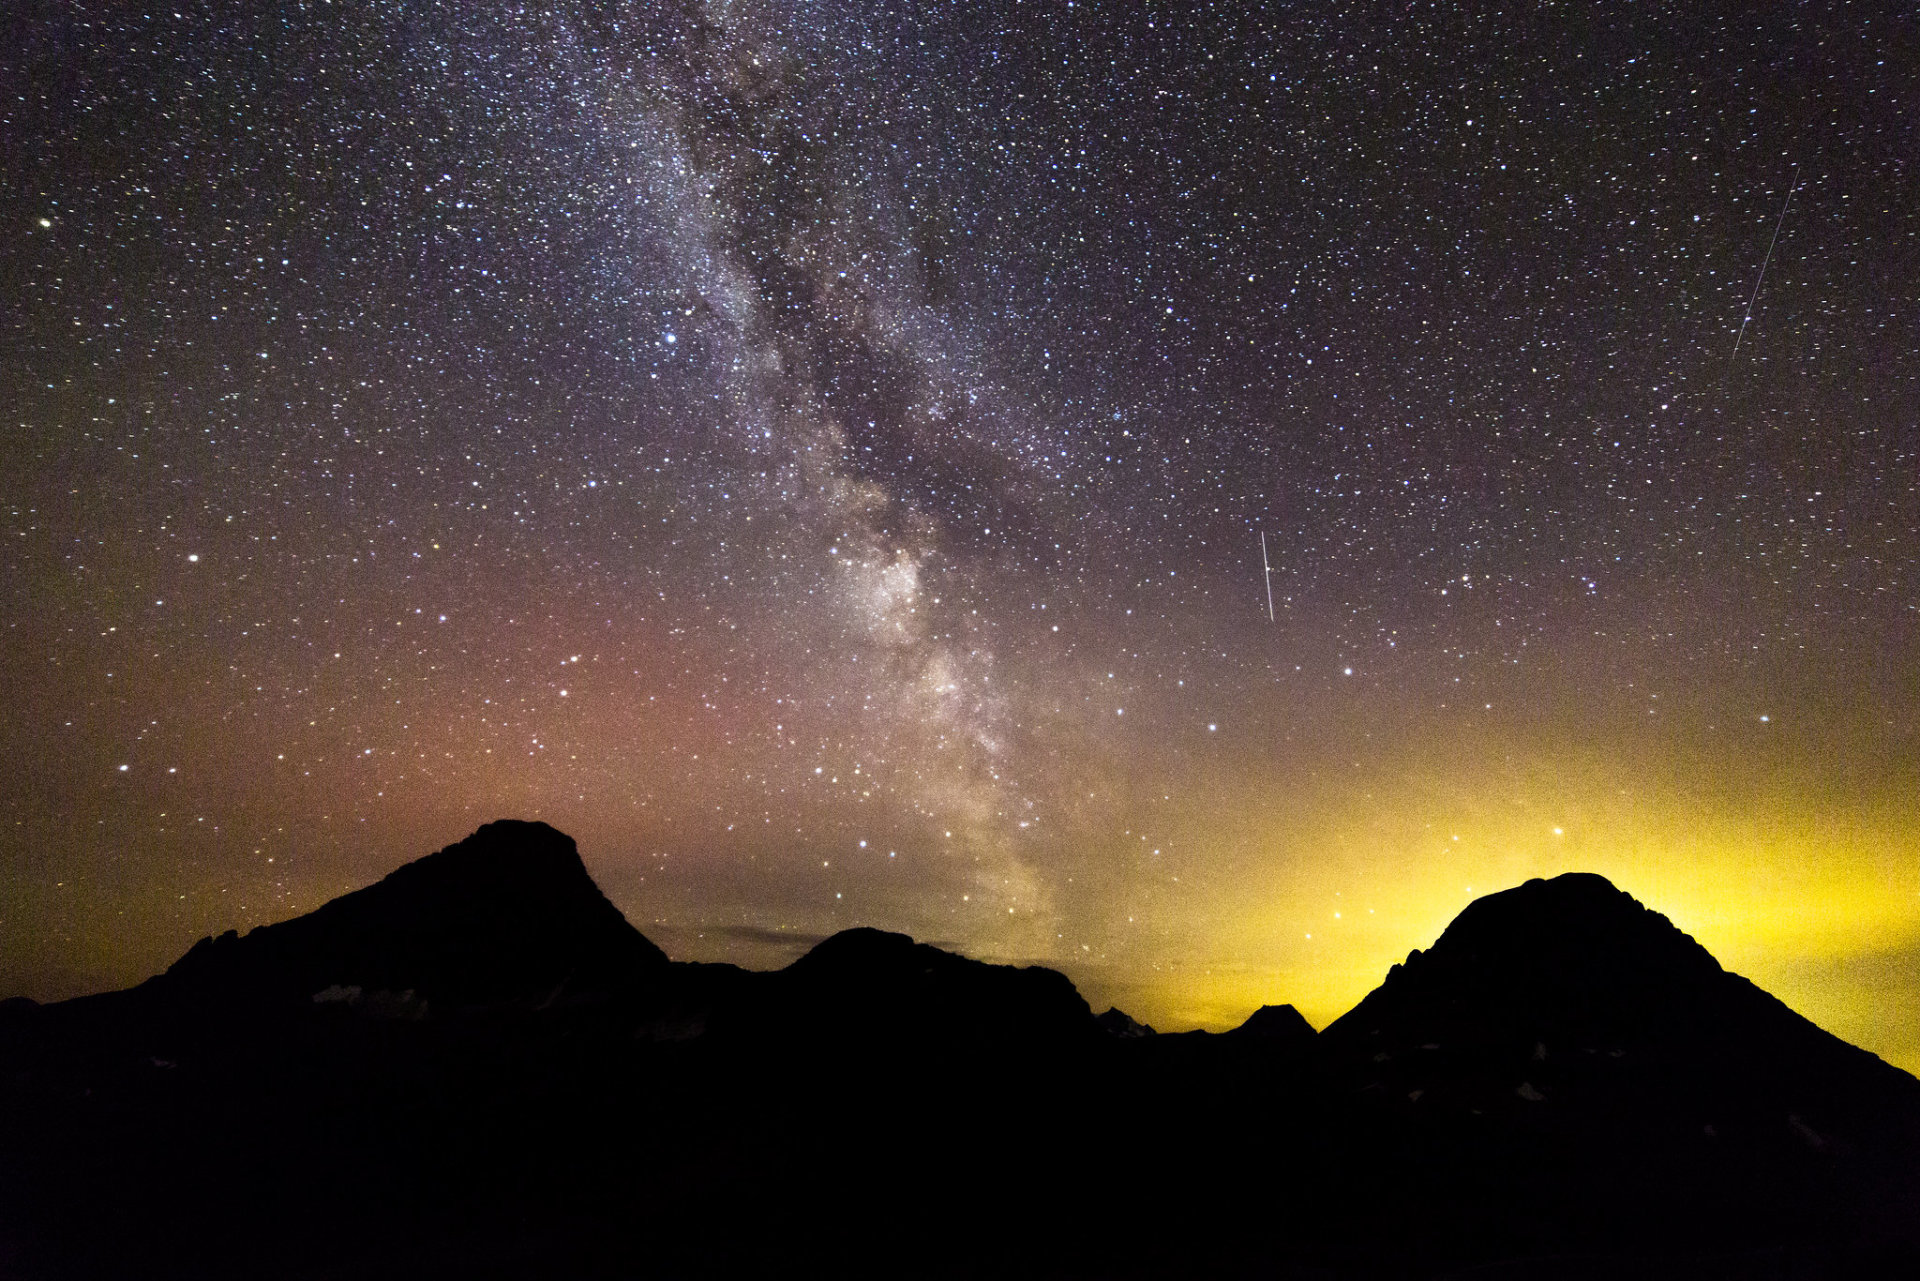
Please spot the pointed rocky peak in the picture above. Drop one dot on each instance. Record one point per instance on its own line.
(1120, 1025)
(1279, 1025)
(508, 914)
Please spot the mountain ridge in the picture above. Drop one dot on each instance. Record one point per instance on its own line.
(508, 913)
(510, 916)
(481, 1039)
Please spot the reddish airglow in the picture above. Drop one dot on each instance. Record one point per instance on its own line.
(1128, 510)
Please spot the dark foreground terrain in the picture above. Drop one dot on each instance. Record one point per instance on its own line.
(477, 1068)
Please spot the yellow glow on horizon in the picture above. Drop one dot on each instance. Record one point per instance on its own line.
(1316, 902)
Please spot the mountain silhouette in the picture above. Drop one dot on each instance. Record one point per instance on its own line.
(863, 983)
(1563, 1022)
(1574, 972)
(1277, 1025)
(508, 914)
(477, 1066)
(1569, 953)
(1116, 1022)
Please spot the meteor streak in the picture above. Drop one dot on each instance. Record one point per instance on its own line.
(1266, 574)
(1792, 186)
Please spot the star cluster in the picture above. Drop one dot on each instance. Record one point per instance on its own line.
(1188, 494)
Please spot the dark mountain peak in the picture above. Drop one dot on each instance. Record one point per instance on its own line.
(1122, 1026)
(508, 914)
(1575, 917)
(1276, 1025)
(865, 948)
(1572, 975)
(502, 858)
(1571, 954)
(865, 983)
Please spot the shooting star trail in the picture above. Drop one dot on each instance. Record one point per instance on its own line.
(1792, 187)
(1266, 574)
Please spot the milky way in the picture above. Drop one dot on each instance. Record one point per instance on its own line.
(817, 454)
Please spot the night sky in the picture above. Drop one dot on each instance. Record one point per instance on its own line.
(817, 454)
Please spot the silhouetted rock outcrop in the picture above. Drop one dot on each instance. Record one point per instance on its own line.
(864, 984)
(1280, 1026)
(1120, 1025)
(507, 915)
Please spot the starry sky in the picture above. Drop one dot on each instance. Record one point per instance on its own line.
(818, 453)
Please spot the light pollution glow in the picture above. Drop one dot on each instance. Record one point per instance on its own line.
(817, 453)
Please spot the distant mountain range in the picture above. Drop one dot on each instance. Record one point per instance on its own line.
(478, 1067)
